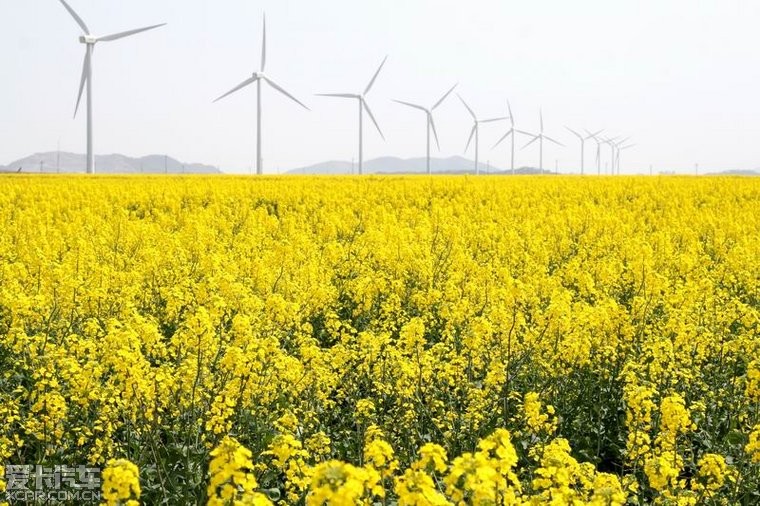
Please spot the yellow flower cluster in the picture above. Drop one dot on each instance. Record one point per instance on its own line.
(121, 483)
(231, 479)
(753, 446)
(753, 381)
(487, 475)
(2, 484)
(537, 421)
(335, 483)
(401, 340)
(712, 474)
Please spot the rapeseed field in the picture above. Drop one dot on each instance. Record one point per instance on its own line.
(385, 340)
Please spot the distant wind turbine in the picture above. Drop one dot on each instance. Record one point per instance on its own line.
(429, 120)
(583, 144)
(257, 78)
(476, 131)
(540, 138)
(621, 147)
(511, 132)
(616, 160)
(90, 40)
(363, 106)
(611, 143)
(599, 141)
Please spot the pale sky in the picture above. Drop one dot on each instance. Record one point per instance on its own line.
(681, 77)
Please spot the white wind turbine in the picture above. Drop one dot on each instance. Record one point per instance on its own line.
(363, 106)
(476, 132)
(430, 123)
(257, 78)
(540, 138)
(90, 40)
(622, 148)
(599, 141)
(616, 161)
(512, 130)
(611, 143)
(615, 144)
(583, 144)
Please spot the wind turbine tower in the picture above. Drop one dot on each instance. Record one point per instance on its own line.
(611, 144)
(616, 155)
(599, 143)
(621, 149)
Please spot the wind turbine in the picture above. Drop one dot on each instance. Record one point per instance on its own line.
(476, 131)
(616, 154)
(611, 143)
(511, 132)
(620, 147)
(583, 144)
(599, 141)
(540, 138)
(90, 40)
(360, 97)
(258, 78)
(430, 123)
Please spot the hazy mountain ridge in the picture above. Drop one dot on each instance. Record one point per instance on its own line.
(49, 163)
(395, 165)
(53, 162)
(735, 172)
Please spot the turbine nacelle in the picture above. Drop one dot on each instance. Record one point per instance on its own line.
(88, 39)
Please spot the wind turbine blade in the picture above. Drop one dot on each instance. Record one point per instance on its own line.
(525, 133)
(541, 115)
(121, 35)
(552, 140)
(76, 17)
(468, 108)
(411, 105)
(511, 131)
(281, 90)
(511, 116)
(575, 133)
(264, 46)
(493, 119)
(435, 133)
(338, 95)
(440, 101)
(369, 86)
(239, 86)
(593, 136)
(531, 142)
(372, 117)
(472, 134)
(85, 73)
(626, 147)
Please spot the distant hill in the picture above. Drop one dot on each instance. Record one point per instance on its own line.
(105, 164)
(736, 173)
(394, 165)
